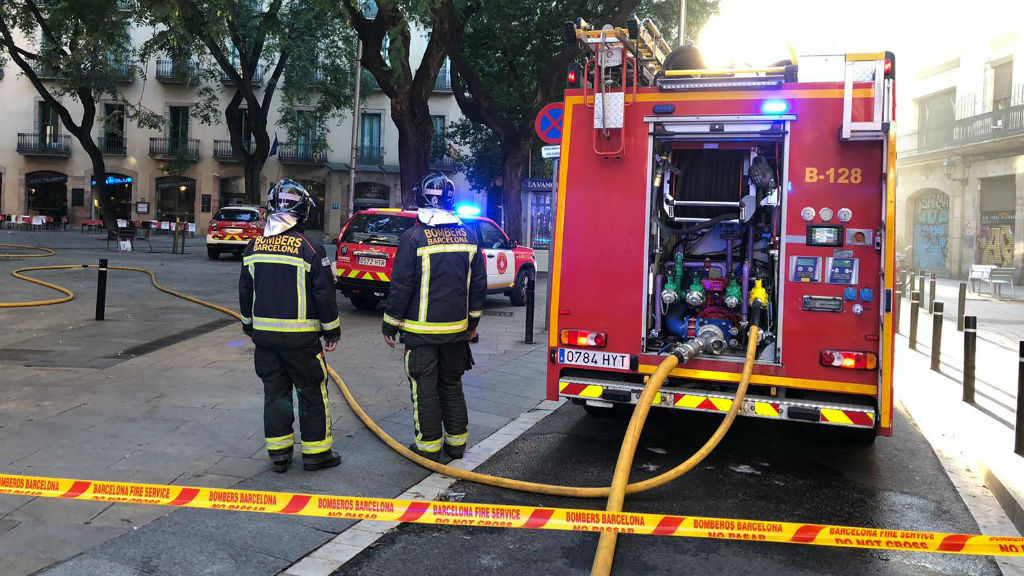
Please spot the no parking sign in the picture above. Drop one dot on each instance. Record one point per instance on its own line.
(549, 123)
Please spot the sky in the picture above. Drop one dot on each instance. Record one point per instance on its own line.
(919, 32)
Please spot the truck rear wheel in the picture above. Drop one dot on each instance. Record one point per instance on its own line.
(363, 303)
(212, 253)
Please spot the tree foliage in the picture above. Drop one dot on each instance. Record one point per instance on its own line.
(78, 50)
(256, 48)
(501, 80)
(385, 28)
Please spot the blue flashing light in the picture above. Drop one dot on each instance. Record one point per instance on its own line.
(775, 107)
(467, 210)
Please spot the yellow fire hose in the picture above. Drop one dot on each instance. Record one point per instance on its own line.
(615, 493)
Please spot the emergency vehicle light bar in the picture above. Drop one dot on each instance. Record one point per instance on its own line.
(680, 84)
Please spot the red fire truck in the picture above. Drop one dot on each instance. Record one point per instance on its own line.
(683, 192)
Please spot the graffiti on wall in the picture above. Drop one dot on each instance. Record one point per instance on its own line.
(996, 238)
(931, 220)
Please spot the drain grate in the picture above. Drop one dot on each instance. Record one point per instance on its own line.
(497, 313)
(171, 339)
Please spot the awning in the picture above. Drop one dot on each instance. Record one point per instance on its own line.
(376, 168)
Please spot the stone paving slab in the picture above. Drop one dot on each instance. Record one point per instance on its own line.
(189, 411)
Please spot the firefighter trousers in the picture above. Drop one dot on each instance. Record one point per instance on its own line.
(303, 369)
(439, 407)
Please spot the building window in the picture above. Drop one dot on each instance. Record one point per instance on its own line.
(177, 129)
(1002, 85)
(49, 125)
(935, 120)
(113, 141)
(371, 145)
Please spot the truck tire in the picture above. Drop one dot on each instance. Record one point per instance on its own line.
(363, 303)
(518, 294)
(212, 253)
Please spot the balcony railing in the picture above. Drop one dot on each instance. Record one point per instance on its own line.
(171, 148)
(257, 76)
(43, 72)
(223, 151)
(370, 155)
(439, 157)
(35, 144)
(990, 126)
(171, 72)
(444, 81)
(299, 153)
(121, 70)
(113, 146)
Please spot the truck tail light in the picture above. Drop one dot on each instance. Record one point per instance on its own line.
(849, 359)
(584, 338)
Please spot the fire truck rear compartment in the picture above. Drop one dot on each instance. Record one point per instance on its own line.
(714, 236)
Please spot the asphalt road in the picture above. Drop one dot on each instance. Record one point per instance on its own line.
(762, 470)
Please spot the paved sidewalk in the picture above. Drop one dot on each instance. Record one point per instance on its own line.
(982, 433)
(163, 391)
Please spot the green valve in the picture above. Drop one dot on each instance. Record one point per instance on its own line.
(733, 294)
(695, 295)
(674, 286)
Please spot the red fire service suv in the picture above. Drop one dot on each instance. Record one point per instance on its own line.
(231, 229)
(368, 242)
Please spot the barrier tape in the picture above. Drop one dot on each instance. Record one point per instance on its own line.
(505, 516)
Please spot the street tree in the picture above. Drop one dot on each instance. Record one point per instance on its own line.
(502, 80)
(75, 51)
(385, 28)
(307, 47)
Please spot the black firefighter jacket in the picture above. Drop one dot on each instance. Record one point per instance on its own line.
(286, 292)
(438, 285)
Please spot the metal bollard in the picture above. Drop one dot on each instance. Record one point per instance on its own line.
(101, 289)
(936, 334)
(970, 349)
(931, 293)
(896, 305)
(1018, 444)
(531, 287)
(960, 307)
(915, 307)
(912, 280)
(920, 284)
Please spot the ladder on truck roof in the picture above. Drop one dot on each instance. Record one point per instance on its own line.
(877, 128)
(641, 39)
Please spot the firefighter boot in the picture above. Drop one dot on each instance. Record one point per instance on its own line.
(328, 459)
(433, 456)
(281, 459)
(454, 452)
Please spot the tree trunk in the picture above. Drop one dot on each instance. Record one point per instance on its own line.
(515, 160)
(414, 133)
(101, 190)
(253, 168)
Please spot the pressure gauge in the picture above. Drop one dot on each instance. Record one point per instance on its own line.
(825, 214)
(844, 214)
(858, 309)
(807, 214)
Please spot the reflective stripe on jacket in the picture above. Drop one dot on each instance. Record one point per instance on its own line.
(438, 284)
(286, 291)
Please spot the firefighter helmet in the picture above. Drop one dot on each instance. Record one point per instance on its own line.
(289, 204)
(436, 191)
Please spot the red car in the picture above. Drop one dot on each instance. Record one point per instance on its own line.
(232, 227)
(368, 242)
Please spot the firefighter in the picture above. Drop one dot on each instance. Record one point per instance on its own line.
(287, 297)
(438, 288)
